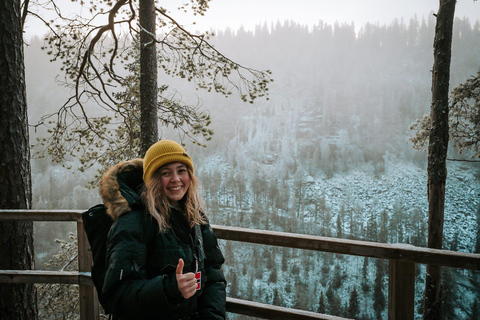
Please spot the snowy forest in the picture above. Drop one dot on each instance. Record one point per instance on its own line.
(327, 154)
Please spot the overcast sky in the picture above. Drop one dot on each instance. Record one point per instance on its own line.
(249, 13)
(234, 13)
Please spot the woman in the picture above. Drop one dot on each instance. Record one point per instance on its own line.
(163, 260)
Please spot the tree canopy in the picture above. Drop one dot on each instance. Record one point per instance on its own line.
(464, 120)
(100, 57)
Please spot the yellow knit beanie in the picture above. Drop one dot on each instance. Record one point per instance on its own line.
(163, 152)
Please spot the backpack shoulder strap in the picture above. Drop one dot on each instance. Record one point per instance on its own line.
(97, 224)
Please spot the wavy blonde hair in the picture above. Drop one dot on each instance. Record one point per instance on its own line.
(159, 206)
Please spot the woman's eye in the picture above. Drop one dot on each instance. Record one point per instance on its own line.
(164, 174)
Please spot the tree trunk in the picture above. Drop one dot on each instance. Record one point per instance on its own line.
(17, 301)
(148, 76)
(437, 151)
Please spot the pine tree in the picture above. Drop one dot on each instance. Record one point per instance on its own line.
(321, 304)
(379, 302)
(383, 233)
(333, 301)
(365, 286)
(353, 305)
(477, 238)
(233, 285)
(475, 310)
(284, 262)
(372, 229)
(277, 300)
(339, 222)
(17, 301)
(449, 296)
(273, 276)
(337, 277)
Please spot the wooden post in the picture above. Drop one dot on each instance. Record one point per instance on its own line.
(89, 308)
(401, 290)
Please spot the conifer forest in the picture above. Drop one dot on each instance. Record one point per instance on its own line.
(328, 153)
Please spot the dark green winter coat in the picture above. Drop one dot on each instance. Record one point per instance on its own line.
(140, 281)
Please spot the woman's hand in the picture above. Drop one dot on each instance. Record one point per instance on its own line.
(187, 284)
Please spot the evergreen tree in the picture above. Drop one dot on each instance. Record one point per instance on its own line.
(18, 300)
(333, 301)
(273, 275)
(477, 236)
(353, 305)
(379, 301)
(475, 313)
(383, 233)
(301, 299)
(233, 285)
(396, 223)
(365, 286)
(284, 262)
(321, 304)
(337, 277)
(339, 222)
(449, 294)
(372, 229)
(437, 151)
(419, 227)
(277, 300)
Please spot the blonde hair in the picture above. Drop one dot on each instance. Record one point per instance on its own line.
(158, 204)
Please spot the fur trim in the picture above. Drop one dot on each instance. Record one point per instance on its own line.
(110, 190)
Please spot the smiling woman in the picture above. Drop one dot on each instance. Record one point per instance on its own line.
(163, 259)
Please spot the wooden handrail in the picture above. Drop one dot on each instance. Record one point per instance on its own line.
(40, 215)
(41, 276)
(401, 267)
(268, 311)
(402, 252)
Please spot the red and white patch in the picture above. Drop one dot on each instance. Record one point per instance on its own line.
(198, 276)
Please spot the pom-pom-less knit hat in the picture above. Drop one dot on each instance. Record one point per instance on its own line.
(163, 152)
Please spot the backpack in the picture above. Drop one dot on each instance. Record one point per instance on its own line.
(97, 223)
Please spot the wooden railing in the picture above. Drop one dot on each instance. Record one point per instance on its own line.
(402, 259)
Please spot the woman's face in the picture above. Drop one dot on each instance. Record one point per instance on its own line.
(175, 180)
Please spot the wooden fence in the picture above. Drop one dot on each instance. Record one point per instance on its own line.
(402, 259)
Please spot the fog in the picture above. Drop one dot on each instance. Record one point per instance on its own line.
(327, 154)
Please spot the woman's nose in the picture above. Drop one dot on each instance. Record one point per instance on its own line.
(175, 177)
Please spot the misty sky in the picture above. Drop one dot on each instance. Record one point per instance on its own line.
(235, 13)
(249, 13)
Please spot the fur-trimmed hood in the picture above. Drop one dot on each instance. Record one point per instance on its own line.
(120, 187)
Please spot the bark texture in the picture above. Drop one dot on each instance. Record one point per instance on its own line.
(437, 151)
(148, 76)
(17, 301)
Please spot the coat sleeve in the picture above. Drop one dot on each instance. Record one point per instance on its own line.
(126, 290)
(211, 303)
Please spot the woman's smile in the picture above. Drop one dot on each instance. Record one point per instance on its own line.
(175, 180)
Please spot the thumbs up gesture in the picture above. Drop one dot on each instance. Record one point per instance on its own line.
(187, 284)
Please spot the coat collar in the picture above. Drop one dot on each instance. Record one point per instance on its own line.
(120, 187)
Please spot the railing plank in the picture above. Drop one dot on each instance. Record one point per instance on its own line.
(401, 290)
(40, 215)
(89, 306)
(41, 276)
(267, 311)
(402, 252)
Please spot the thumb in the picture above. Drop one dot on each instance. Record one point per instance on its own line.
(180, 266)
